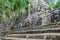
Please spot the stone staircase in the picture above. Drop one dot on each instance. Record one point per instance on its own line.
(30, 36)
(34, 34)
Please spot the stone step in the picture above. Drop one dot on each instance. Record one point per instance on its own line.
(39, 34)
(13, 38)
(30, 36)
(37, 30)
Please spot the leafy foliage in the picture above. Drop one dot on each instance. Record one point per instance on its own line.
(53, 3)
(57, 4)
(10, 6)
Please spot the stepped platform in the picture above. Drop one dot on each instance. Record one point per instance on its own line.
(41, 33)
(40, 36)
(36, 29)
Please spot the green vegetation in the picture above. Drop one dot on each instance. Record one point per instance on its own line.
(53, 4)
(10, 6)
